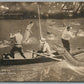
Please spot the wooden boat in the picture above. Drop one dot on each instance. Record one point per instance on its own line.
(28, 54)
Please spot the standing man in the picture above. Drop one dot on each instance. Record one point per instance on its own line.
(27, 32)
(66, 36)
(18, 44)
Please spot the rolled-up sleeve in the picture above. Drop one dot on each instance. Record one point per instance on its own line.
(11, 36)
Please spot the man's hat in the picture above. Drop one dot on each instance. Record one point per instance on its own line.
(43, 39)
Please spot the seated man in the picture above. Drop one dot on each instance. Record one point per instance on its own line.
(45, 48)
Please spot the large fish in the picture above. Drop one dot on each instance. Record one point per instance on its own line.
(27, 33)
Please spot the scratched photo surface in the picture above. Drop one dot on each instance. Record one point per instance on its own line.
(41, 41)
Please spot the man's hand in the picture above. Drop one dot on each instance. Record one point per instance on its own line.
(10, 35)
(76, 32)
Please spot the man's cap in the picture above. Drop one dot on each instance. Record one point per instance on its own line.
(43, 39)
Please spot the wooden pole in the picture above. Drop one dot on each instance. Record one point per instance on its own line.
(39, 23)
(45, 55)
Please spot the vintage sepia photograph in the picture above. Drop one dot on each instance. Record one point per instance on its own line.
(41, 41)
